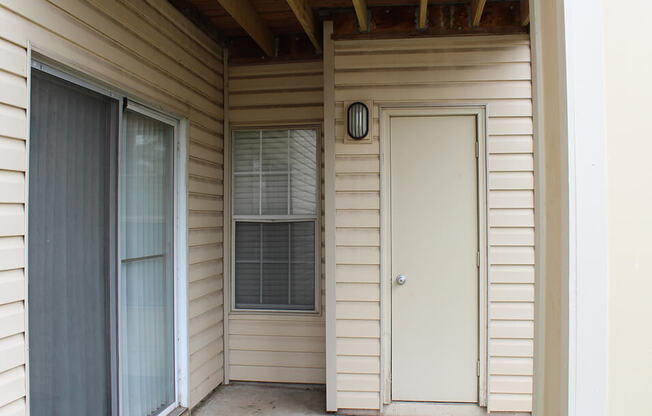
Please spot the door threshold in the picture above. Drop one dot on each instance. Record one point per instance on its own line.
(433, 409)
(178, 411)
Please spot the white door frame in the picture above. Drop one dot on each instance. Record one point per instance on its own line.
(430, 109)
(179, 246)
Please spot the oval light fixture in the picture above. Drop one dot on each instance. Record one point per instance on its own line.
(357, 120)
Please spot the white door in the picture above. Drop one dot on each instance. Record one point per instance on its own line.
(434, 244)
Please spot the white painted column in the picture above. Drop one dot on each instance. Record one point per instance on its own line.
(587, 226)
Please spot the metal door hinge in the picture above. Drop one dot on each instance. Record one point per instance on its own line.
(477, 149)
(477, 259)
(477, 368)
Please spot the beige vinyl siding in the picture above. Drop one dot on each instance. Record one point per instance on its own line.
(13, 164)
(148, 49)
(285, 347)
(492, 70)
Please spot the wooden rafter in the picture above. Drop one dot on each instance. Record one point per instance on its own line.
(360, 7)
(444, 19)
(245, 14)
(525, 12)
(192, 12)
(303, 12)
(423, 14)
(477, 7)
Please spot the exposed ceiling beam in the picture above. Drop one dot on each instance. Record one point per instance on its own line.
(423, 14)
(525, 12)
(245, 14)
(477, 7)
(192, 13)
(361, 11)
(444, 19)
(303, 12)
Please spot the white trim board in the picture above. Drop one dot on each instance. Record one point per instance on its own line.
(226, 223)
(539, 210)
(588, 280)
(386, 112)
(329, 218)
(26, 246)
(181, 261)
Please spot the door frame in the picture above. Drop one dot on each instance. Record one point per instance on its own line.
(45, 61)
(179, 243)
(387, 111)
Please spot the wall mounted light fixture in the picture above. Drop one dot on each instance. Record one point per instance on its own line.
(357, 124)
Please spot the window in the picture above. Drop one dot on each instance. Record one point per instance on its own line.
(275, 212)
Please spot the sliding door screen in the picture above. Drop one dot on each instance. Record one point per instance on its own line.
(71, 189)
(146, 285)
(275, 212)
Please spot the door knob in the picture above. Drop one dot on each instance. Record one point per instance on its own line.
(401, 279)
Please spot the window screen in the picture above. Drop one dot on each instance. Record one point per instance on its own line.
(275, 208)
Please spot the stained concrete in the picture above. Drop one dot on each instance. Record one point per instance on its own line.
(254, 399)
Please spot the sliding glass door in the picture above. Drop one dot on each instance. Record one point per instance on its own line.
(146, 269)
(101, 252)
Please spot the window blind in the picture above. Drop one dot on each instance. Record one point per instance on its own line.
(275, 265)
(275, 172)
(275, 204)
(146, 278)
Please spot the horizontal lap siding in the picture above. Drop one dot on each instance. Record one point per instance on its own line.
(268, 347)
(147, 48)
(492, 70)
(13, 165)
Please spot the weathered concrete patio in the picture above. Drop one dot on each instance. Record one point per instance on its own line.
(253, 399)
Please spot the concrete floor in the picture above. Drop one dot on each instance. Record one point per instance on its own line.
(253, 399)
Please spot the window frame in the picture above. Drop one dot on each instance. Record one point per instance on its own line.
(317, 218)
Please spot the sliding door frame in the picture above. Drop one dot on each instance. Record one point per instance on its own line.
(157, 115)
(39, 60)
